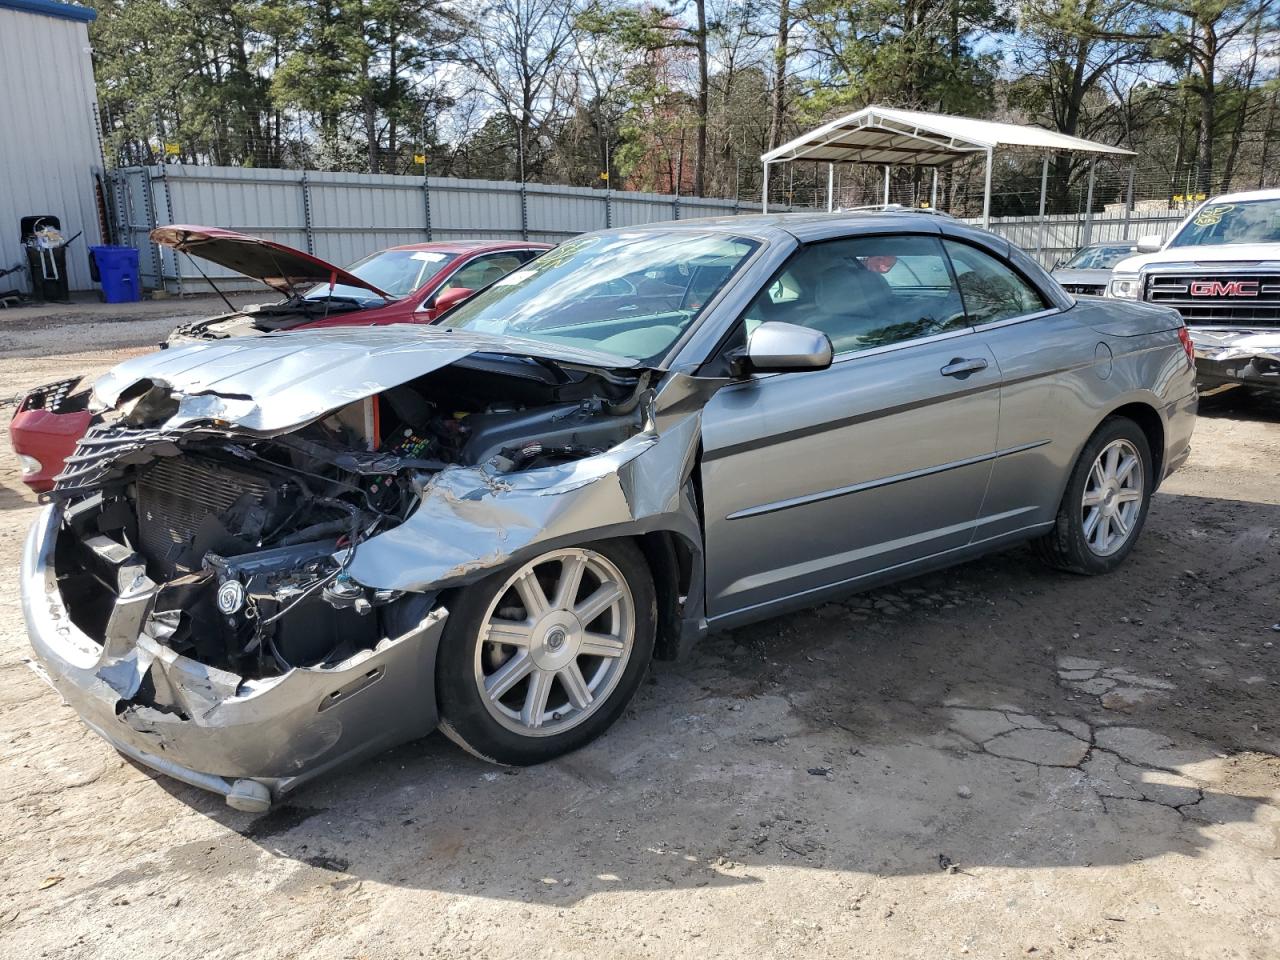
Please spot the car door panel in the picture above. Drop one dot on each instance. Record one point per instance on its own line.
(816, 478)
(1051, 375)
(1047, 363)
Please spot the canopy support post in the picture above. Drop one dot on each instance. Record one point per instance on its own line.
(1128, 200)
(1044, 224)
(886, 184)
(764, 189)
(831, 187)
(986, 195)
(1088, 206)
(933, 194)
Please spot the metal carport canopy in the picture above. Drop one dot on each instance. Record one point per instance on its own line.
(884, 136)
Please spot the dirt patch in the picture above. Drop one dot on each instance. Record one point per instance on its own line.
(98, 334)
(996, 760)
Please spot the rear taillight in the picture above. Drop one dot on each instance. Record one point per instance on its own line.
(1185, 336)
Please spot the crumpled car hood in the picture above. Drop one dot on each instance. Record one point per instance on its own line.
(277, 382)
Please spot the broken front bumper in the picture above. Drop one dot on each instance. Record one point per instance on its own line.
(1248, 357)
(44, 431)
(249, 740)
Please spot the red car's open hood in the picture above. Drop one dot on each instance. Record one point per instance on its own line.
(282, 268)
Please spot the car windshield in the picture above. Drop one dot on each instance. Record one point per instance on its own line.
(1248, 221)
(631, 294)
(398, 272)
(1100, 257)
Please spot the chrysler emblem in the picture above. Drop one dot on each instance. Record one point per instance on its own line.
(230, 597)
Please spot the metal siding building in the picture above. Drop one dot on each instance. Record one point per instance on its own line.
(49, 148)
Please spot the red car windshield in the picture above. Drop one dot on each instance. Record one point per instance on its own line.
(399, 272)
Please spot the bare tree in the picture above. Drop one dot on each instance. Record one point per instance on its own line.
(1066, 51)
(1212, 27)
(778, 95)
(521, 51)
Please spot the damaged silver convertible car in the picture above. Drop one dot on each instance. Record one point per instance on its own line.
(274, 555)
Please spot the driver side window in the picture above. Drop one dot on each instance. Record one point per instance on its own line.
(482, 271)
(864, 292)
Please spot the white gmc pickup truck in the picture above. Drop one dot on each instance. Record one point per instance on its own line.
(1221, 271)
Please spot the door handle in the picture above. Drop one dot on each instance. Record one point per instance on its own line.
(960, 367)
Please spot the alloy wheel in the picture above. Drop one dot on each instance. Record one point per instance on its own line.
(1113, 495)
(555, 642)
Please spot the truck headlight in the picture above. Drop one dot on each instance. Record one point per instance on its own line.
(1124, 288)
(30, 465)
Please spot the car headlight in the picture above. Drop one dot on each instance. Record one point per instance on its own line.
(1125, 288)
(30, 465)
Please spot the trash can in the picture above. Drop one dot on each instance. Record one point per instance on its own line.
(118, 270)
(41, 237)
(48, 271)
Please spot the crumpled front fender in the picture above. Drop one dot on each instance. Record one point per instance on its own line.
(472, 520)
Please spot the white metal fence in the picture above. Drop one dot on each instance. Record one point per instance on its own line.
(341, 217)
(1054, 238)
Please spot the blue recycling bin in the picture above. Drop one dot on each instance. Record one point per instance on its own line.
(118, 270)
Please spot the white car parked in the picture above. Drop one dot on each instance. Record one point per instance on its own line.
(1221, 270)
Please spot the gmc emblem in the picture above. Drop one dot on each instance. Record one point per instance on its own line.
(1217, 288)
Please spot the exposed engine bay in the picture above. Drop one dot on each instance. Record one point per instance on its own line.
(248, 538)
(265, 318)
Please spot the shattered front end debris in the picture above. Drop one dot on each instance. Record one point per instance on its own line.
(217, 583)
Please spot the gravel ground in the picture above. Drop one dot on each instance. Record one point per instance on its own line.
(992, 761)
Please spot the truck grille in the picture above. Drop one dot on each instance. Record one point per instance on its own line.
(1250, 300)
(1085, 289)
(177, 495)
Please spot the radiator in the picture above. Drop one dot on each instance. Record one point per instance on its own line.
(177, 494)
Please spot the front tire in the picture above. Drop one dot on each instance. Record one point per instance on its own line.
(1105, 504)
(541, 658)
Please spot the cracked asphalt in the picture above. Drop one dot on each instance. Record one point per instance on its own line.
(992, 761)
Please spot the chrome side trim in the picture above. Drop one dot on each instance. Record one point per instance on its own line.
(808, 498)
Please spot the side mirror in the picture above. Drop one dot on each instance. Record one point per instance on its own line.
(1150, 244)
(775, 347)
(450, 298)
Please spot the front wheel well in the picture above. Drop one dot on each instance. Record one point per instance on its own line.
(670, 562)
(1148, 420)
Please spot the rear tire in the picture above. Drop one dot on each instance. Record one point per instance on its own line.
(541, 658)
(1105, 504)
